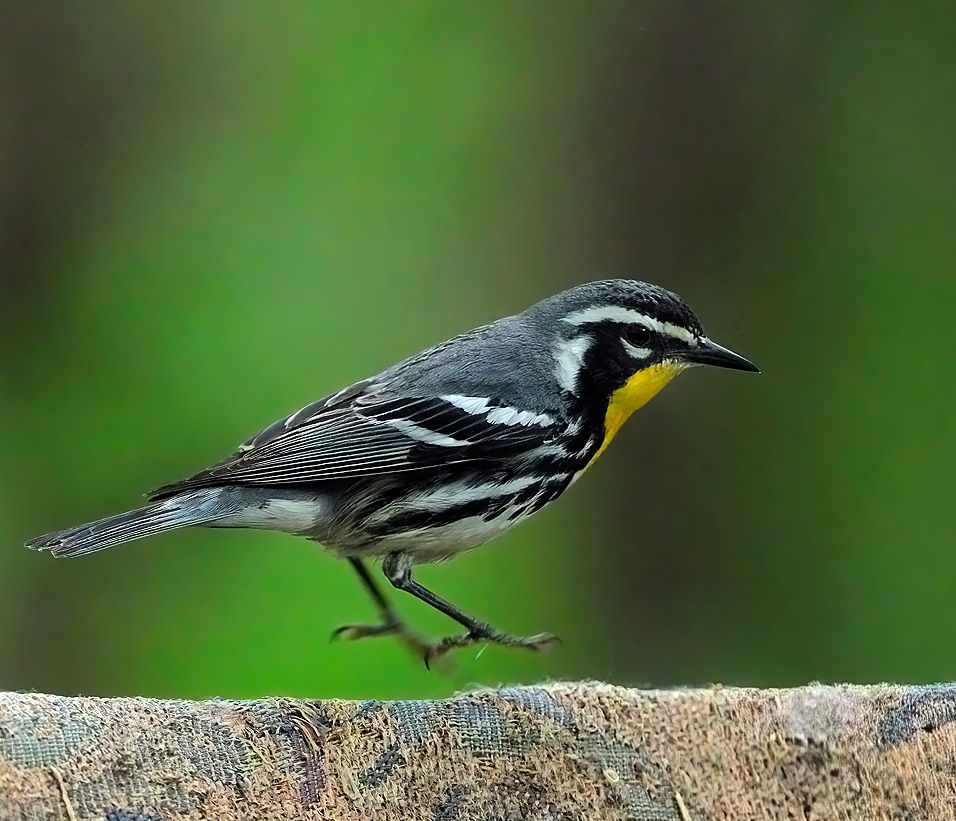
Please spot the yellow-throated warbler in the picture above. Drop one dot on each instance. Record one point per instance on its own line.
(445, 450)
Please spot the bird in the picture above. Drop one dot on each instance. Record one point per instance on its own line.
(443, 451)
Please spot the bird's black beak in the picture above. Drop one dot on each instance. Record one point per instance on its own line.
(706, 352)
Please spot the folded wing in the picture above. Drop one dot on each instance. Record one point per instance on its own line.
(358, 433)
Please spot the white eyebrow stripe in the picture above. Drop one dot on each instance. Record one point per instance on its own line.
(615, 313)
(677, 332)
(569, 359)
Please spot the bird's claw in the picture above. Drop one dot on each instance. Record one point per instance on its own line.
(353, 632)
(440, 648)
(433, 652)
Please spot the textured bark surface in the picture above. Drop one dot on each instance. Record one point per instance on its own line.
(582, 750)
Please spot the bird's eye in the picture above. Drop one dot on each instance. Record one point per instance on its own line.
(637, 335)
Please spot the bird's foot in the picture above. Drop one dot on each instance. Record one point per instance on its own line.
(483, 633)
(419, 646)
(353, 632)
(432, 652)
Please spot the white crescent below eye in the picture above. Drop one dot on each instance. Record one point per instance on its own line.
(637, 353)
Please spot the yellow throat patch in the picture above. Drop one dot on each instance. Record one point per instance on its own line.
(634, 394)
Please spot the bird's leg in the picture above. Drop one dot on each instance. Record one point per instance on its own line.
(391, 623)
(398, 570)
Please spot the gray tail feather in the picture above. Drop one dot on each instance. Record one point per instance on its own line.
(126, 527)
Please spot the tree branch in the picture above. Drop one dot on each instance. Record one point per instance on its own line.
(556, 751)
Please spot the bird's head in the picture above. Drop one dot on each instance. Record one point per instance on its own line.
(621, 341)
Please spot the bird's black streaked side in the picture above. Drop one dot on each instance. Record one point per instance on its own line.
(445, 450)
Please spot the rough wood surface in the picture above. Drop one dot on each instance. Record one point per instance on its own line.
(583, 750)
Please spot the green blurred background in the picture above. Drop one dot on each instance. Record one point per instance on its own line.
(213, 213)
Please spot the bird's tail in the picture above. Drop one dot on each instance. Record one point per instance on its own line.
(198, 508)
